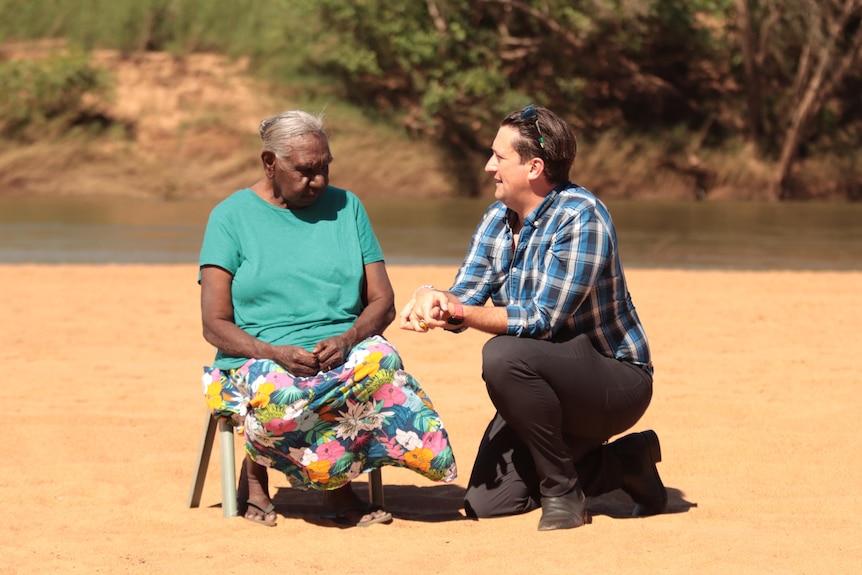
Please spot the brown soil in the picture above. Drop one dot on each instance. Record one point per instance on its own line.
(187, 128)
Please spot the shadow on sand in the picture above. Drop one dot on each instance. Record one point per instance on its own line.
(618, 505)
(440, 503)
(433, 504)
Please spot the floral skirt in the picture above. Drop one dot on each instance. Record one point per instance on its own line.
(323, 431)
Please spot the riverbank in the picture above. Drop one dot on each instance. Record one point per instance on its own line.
(756, 401)
(186, 128)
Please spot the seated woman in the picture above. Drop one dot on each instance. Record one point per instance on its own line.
(295, 297)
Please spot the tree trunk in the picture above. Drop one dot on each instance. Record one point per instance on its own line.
(816, 87)
(799, 118)
(752, 74)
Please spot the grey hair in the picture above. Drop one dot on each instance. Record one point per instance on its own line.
(277, 132)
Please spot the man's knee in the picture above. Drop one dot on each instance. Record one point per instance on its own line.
(482, 503)
(498, 357)
(474, 506)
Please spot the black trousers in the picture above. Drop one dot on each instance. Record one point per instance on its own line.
(557, 404)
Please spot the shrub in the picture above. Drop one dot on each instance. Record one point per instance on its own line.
(50, 95)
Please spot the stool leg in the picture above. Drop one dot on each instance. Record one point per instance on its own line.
(228, 470)
(204, 452)
(375, 487)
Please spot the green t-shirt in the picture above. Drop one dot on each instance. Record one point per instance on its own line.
(297, 275)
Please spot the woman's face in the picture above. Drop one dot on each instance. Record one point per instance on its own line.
(300, 178)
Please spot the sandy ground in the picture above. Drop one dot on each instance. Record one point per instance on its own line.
(756, 402)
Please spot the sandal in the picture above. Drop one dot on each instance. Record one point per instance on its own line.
(353, 516)
(262, 520)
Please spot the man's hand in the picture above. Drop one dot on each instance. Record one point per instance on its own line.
(427, 309)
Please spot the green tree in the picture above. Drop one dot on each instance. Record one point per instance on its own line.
(429, 65)
(450, 69)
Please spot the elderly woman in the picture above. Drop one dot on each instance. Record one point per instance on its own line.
(295, 297)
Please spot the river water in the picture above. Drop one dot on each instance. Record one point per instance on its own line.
(695, 235)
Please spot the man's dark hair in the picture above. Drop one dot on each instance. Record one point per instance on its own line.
(547, 136)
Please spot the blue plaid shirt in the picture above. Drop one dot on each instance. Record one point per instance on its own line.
(564, 277)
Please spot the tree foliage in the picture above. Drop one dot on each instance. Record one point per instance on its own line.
(779, 73)
(450, 69)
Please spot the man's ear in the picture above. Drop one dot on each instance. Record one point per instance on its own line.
(537, 168)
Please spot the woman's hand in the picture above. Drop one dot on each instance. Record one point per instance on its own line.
(297, 361)
(332, 352)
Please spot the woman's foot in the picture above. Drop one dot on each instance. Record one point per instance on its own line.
(260, 508)
(344, 505)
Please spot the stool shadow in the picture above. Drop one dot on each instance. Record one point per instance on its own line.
(431, 504)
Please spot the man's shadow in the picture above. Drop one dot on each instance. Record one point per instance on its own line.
(618, 505)
(441, 503)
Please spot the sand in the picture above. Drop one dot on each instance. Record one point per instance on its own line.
(756, 402)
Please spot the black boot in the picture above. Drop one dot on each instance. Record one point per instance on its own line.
(564, 512)
(638, 453)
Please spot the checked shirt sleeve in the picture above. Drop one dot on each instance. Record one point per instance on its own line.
(486, 257)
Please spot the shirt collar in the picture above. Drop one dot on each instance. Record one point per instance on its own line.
(534, 216)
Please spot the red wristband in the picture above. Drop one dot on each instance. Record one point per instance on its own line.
(457, 315)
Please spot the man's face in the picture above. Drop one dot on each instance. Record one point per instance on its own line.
(300, 178)
(510, 173)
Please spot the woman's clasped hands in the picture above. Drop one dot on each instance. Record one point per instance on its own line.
(327, 355)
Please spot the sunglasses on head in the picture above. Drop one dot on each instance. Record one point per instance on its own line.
(530, 113)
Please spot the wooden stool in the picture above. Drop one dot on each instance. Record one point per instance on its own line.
(228, 468)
